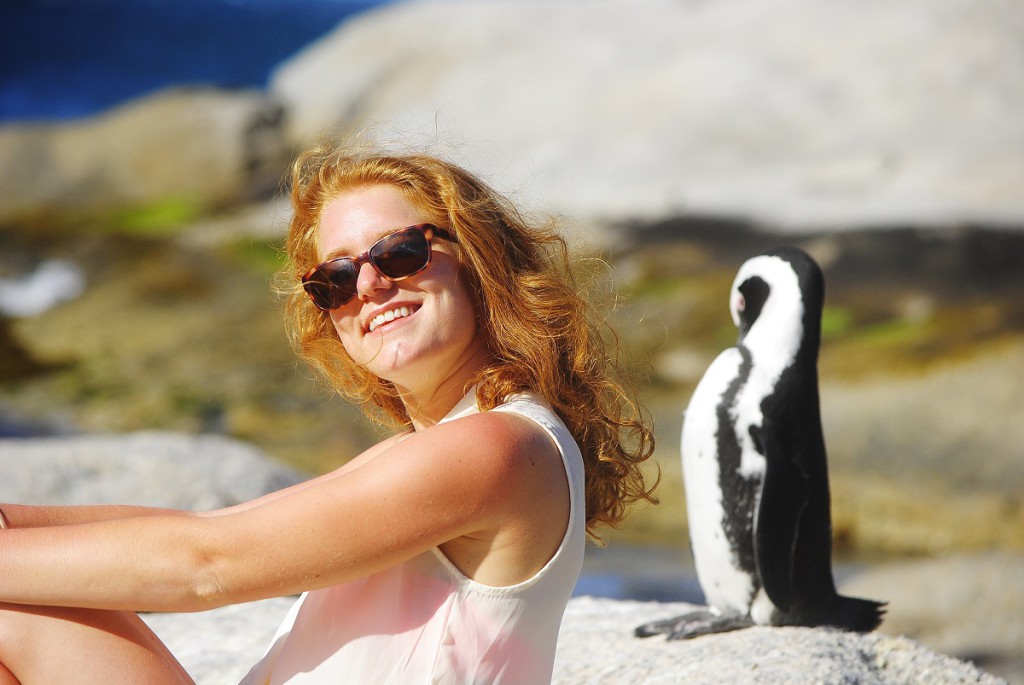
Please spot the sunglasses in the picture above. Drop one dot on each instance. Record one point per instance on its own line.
(396, 256)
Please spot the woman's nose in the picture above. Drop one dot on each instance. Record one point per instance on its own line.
(369, 281)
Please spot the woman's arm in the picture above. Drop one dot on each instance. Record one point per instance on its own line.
(35, 516)
(355, 463)
(455, 479)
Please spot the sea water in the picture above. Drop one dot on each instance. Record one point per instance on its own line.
(64, 59)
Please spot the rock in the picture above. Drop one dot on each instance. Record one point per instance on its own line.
(218, 647)
(930, 463)
(897, 429)
(194, 473)
(596, 645)
(201, 147)
(968, 606)
(795, 113)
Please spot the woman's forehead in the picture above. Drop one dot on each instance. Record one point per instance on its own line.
(355, 219)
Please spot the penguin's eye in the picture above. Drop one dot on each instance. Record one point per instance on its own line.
(741, 303)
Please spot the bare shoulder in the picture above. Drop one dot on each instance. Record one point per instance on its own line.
(500, 464)
(498, 441)
(508, 471)
(503, 437)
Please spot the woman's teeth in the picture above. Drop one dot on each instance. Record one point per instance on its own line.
(388, 317)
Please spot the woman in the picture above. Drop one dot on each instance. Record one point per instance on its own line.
(447, 552)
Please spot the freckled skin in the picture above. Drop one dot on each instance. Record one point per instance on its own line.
(440, 336)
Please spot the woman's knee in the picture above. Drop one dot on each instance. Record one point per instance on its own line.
(12, 630)
(6, 677)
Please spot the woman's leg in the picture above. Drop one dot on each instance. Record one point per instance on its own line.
(6, 677)
(42, 645)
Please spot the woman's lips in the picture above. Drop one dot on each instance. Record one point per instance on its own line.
(399, 312)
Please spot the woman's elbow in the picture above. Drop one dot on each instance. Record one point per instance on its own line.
(221, 578)
(207, 590)
(197, 580)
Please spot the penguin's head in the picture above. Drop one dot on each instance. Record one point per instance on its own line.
(748, 299)
(778, 296)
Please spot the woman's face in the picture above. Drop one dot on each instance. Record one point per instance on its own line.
(434, 331)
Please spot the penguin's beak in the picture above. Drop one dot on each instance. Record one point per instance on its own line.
(736, 307)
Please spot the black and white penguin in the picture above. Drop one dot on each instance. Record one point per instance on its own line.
(754, 466)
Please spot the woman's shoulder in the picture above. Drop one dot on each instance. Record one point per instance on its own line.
(504, 431)
(534, 407)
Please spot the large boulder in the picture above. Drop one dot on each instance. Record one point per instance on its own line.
(596, 647)
(190, 472)
(200, 147)
(967, 606)
(797, 113)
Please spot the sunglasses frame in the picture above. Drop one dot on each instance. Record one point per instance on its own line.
(429, 232)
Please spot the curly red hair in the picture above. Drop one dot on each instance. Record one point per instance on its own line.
(537, 326)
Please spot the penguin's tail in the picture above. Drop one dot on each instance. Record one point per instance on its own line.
(859, 615)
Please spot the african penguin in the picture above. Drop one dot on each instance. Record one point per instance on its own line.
(754, 466)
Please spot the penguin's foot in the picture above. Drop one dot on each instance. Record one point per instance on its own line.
(694, 624)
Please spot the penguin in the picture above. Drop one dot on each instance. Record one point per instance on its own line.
(754, 466)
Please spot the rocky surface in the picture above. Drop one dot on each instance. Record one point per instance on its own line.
(968, 606)
(198, 148)
(794, 113)
(596, 646)
(219, 647)
(192, 472)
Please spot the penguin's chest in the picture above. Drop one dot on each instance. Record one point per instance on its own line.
(723, 473)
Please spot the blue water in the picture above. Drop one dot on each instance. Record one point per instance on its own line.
(621, 571)
(63, 59)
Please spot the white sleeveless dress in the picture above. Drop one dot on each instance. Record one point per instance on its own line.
(424, 621)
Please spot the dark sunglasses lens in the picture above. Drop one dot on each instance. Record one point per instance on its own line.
(401, 254)
(322, 294)
(333, 284)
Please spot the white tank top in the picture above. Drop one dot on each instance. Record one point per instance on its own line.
(424, 621)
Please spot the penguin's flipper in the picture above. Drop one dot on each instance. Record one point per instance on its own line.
(783, 499)
(694, 624)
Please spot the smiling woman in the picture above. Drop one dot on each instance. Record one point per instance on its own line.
(438, 338)
(447, 552)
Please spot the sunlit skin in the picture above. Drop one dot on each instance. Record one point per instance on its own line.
(431, 353)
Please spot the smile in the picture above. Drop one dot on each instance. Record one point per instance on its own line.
(388, 317)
